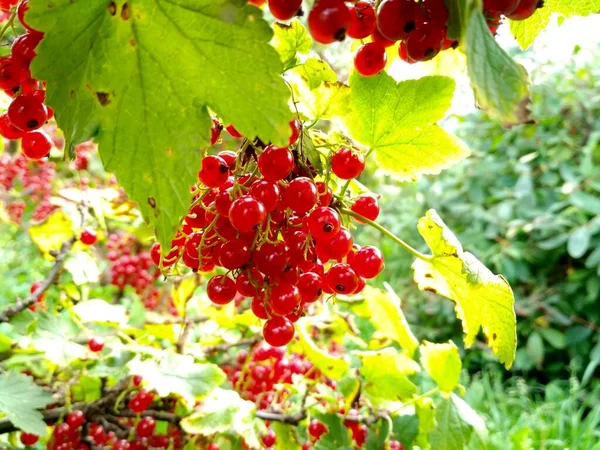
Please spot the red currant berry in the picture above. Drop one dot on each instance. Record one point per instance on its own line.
(380, 39)
(296, 126)
(278, 331)
(258, 308)
(370, 59)
(23, 48)
(96, 344)
(76, 419)
(11, 75)
(340, 244)
(284, 298)
(215, 131)
(310, 287)
(34, 287)
(229, 157)
(367, 205)
(62, 432)
(275, 163)
(214, 171)
(525, 9)
(307, 446)
(137, 380)
(346, 163)
(233, 132)
(342, 279)
(8, 130)
(168, 260)
(6, 5)
(121, 444)
(234, 254)
(328, 21)
(325, 193)
(36, 144)
(284, 9)
(271, 259)
(316, 429)
(367, 262)
(247, 281)
(267, 192)
(221, 289)
(362, 20)
(300, 195)
(404, 54)
(493, 22)
(436, 11)
(97, 434)
(269, 439)
(145, 427)
(324, 223)
(246, 213)
(88, 236)
(397, 19)
(425, 42)
(396, 445)
(27, 112)
(29, 439)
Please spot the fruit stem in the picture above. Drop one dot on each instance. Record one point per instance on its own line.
(8, 24)
(388, 233)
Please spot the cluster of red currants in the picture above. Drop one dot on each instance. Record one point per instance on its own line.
(27, 112)
(275, 230)
(35, 178)
(130, 266)
(421, 27)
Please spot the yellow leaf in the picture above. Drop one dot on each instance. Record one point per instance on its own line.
(332, 366)
(386, 374)
(50, 235)
(442, 362)
(389, 319)
(483, 300)
(182, 291)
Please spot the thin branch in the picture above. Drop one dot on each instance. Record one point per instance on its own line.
(185, 332)
(21, 305)
(159, 415)
(389, 234)
(224, 347)
(295, 419)
(176, 320)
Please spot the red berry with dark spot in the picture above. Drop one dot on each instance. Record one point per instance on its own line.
(76, 419)
(425, 42)
(36, 144)
(362, 20)
(145, 427)
(525, 9)
(342, 279)
(310, 286)
(397, 19)
(284, 298)
(11, 75)
(269, 439)
(324, 223)
(328, 21)
(215, 131)
(436, 11)
(246, 213)
(214, 171)
(284, 9)
(370, 59)
(29, 439)
(275, 163)
(27, 112)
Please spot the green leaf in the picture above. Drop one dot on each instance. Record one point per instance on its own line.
(579, 241)
(525, 31)
(349, 387)
(97, 310)
(470, 416)
(405, 429)
(20, 398)
(385, 374)
(568, 8)
(556, 338)
(327, 101)
(535, 348)
(425, 408)
(398, 121)
(52, 233)
(88, 389)
(501, 85)
(337, 436)
(483, 300)
(314, 72)
(178, 374)
(286, 439)
(451, 432)
(289, 40)
(139, 76)
(587, 202)
(442, 363)
(55, 336)
(224, 410)
(332, 366)
(388, 318)
(377, 436)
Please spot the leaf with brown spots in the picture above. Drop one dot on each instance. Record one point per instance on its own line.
(483, 300)
(139, 76)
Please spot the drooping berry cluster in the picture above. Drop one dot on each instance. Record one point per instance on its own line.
(33, 178)
(421, 27)
(130, 266)
(27, 112)
(260, 215)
